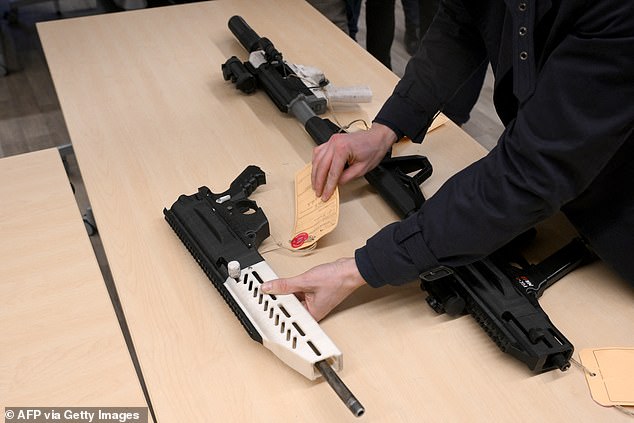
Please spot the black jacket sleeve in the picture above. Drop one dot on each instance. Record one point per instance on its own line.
(578, 116)
(451, 51)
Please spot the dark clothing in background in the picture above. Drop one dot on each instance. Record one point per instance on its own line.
(564, 89)
(379, 19)
(380, 24)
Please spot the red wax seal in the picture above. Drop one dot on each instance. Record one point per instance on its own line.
(299, 240)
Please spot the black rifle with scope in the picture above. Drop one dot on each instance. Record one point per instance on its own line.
(266, 69)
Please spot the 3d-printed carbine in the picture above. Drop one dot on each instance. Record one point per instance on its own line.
(501, 293)
(222, 232)
(267, 69)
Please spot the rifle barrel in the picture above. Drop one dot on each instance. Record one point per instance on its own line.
(340, 388)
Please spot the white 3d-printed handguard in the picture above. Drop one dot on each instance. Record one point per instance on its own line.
(286, 327)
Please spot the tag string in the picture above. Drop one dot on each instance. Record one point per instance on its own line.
(625, 410)
(621, 408)
(582, 367)
(280, 246)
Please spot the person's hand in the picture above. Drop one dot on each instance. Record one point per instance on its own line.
(321, 288)
(362, 151)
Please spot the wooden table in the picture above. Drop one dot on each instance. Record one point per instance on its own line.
(61, 344)
(151, 118)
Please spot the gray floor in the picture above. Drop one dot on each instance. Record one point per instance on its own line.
(30, 116)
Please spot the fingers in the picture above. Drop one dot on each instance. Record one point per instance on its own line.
(321, 288)
(278, 287)
(322, 156)
(334, 174)
(329, 165)
(352, 172)
(303, 292)
(329, 161)
(362, 151)
(295, 285)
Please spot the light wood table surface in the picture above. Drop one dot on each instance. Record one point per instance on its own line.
(60, 341)
(151, 118)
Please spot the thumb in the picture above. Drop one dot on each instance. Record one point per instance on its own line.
(277, 286)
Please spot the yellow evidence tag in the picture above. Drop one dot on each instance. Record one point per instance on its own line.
(610, 375)
(314, 218)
